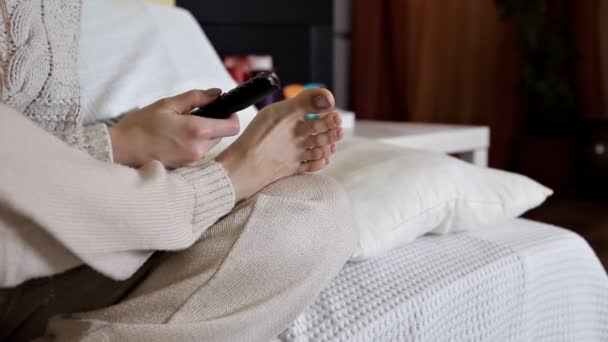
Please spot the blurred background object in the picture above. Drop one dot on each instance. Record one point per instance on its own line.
(530, 69)
(308, 41)
(302, 37)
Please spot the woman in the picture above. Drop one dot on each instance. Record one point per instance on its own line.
(81, 234)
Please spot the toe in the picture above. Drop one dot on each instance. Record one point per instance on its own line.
(326, 138)
(313, 166)
(315, 100)
(327, 122)
(317, 153)
(311, 101)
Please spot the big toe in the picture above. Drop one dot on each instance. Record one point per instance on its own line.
(316, 100)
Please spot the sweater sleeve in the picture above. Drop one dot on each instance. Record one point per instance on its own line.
(93, 139)
(105, 213)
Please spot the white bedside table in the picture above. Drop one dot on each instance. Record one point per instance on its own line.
(470, 143)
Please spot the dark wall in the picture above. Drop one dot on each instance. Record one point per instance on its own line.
(299, 35)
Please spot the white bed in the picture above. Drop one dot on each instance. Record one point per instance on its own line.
(523, 281)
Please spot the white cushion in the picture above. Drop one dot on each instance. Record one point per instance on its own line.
(133, 54)
(400, 194)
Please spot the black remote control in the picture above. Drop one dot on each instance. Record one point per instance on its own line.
(241, 97)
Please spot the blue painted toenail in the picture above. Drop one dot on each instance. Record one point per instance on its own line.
(311, 116)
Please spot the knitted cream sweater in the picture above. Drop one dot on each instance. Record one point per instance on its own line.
(59, 207)
(39, 59)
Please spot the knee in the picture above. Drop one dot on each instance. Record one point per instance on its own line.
(338, 234)
(310, 187)
(327, 207)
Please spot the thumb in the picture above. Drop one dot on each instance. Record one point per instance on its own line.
(206, 128)
(186, 102)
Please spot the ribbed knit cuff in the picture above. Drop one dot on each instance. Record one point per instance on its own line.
(214, 194)
(93, 139)
(96, 140)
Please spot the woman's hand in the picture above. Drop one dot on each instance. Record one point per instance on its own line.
(163, 131)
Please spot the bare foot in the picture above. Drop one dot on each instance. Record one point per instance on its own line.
(280, 143)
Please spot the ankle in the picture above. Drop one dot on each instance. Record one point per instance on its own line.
(234, 170)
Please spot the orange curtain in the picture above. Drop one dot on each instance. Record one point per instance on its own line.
(449, 61)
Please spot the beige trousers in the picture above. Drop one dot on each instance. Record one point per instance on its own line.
(245, 280)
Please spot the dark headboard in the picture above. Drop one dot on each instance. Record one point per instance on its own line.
(298, 34)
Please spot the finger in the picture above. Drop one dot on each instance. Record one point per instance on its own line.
(194, 153)
(326, 138)
(207, 145)
(205, 128)
(316, 153)
(313, 166)
(186, 102)
(329, 121)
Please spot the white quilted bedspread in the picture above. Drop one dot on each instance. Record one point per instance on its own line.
(523, 281)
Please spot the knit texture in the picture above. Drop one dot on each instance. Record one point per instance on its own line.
(214, 195)
(249, 276)
(523, 281)
(38, 70)
(108, 216)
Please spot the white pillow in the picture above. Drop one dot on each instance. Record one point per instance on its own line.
(132, 54)
(400, 194)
